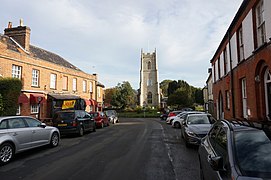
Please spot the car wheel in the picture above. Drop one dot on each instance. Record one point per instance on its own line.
(177, 125)
(94, 129)
(6, 153)
(54, 139)
(81, 131)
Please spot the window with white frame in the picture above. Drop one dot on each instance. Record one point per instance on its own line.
(219, 70)
(18, 112)
(260, 23)
(74, 84)
(228, 100)
(244, 97)
(53, 81)
(225, 56)
(90, 87)
(84, 86)
(240, 44)
(65, 83)
(99, 92)
(16, 71)
(35, 77)
(34, 108)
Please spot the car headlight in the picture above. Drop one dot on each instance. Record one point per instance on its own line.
(190, 133)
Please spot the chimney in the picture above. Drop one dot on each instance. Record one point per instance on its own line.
(20, 34)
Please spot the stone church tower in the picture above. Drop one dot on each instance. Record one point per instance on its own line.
(149, 86)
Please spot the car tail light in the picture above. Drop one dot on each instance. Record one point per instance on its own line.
(74, 123)
(171, 114)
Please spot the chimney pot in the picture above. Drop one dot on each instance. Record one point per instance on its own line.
(9, 24)
(21, 22)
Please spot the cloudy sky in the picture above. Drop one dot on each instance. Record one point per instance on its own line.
(106, 36)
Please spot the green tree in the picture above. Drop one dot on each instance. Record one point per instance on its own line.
(199, 96)
(164, 86)
(172, 87)
(123, 96)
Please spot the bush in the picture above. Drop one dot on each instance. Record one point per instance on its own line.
(10, 89)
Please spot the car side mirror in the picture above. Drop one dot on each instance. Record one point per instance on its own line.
(216, 163)
(42, 125)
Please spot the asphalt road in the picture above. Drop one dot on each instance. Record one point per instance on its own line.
(134, 149)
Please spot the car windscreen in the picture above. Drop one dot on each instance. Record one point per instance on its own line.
(253, 153)
(65, 116)
(202, 119)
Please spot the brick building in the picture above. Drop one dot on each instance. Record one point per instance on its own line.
(241, 65)
(50, 83)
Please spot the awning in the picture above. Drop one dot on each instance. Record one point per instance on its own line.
(37, 98)
(93, 102)
(64, 96)
(87, 102)
(23, 98)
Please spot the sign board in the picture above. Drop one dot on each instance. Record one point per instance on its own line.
(67, 104)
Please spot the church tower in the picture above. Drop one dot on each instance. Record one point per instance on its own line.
(149, 86)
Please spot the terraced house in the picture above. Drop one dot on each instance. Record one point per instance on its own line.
(50, 83)
(241, 65)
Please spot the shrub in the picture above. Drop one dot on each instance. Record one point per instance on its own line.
(10, 89)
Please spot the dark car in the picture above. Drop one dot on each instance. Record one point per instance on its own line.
(112, 116)
(236, 150)
(73, 122)
(100, 118)
(195, 127)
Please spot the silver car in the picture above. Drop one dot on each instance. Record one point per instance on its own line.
(20, 133)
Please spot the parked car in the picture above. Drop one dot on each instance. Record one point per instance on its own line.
(20, 133)
(236, 150)
(164, 116)
(73, 122)
(100, 118)
(195, 127)
(177, 120)
(171, 116)
(112, 116)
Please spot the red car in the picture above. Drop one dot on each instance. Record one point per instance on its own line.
(101, 120)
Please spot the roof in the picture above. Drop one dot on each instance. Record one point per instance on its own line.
(50, 57)
(38, 53)
(10, 44)
(64, 96)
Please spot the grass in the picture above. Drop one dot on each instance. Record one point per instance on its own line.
(149, 114)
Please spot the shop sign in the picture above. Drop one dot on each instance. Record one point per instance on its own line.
(67, 104)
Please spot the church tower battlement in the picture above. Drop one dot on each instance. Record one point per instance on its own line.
(149, 86)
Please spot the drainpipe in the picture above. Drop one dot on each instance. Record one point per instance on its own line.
(231, 73)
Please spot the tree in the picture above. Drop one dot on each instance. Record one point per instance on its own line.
(172, 87)
(164, 86)
(123, 95)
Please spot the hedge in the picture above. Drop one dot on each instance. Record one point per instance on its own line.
(10, 89)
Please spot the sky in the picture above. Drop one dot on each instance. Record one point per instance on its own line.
(106, 36)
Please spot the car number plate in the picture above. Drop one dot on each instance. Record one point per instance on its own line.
(62, 125)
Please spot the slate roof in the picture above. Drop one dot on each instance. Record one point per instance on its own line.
(39, 53)
(11, 45)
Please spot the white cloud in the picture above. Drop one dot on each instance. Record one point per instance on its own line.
(110, 34)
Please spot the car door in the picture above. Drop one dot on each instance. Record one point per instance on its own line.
(20, 133)
(86, 120)
(40, 135)
(207, 151)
